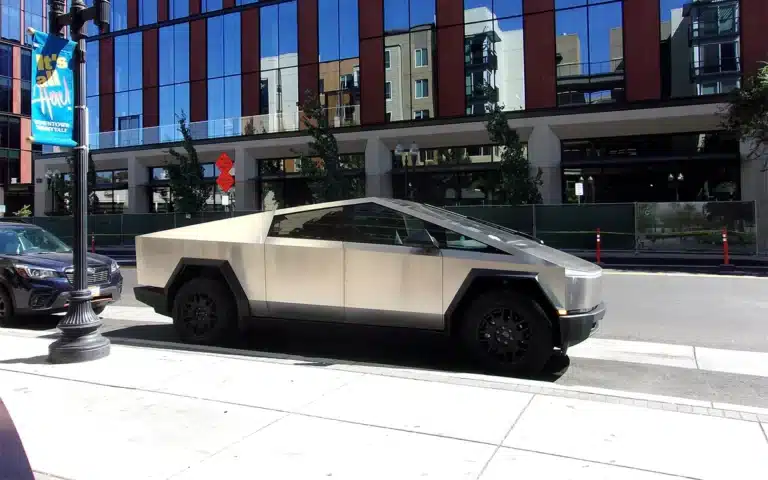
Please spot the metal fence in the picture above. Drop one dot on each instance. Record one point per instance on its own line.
(640, 227)
(694, 227)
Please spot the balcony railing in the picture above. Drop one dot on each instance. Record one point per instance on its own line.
(727, 66)
(488, 60)
(610, 67)
(341, 116)
(699, 30)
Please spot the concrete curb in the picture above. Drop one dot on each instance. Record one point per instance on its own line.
(536, 387)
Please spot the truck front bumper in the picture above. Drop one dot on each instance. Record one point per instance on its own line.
(577, 327)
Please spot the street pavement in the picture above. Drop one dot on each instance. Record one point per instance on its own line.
(151, 413)
(692, 336)
(675, 385)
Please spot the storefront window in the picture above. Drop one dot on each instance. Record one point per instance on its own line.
(283, 184)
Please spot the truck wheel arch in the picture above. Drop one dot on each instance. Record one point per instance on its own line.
(480, 280)
(188, 268)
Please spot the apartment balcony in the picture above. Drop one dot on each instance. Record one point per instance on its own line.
(703, 71)
(487, 61)
(712, 32)
(591, 76)
(482, 93)
(247, 127)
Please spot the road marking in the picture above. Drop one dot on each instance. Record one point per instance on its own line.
(136, 314)
(679, 274)
(680, 356)
(646, 353)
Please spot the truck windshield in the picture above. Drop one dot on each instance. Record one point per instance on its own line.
(30, 240)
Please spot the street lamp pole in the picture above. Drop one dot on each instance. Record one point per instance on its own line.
(80, 339)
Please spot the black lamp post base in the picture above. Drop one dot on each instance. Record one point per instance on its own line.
(80, 339)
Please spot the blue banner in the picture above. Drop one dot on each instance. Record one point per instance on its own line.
(53, 90)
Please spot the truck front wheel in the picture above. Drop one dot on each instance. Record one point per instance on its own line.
(204, 312)
(508, 332)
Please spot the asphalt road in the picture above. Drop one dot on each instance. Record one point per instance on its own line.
(700, 311)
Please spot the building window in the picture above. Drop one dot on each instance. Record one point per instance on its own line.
(161, 199)
(282, 183)
(421, 114)
(387, 59)
(148, 12)
(178, 8)
(388, 91)
(700, 47)
(422, 88)
(590, 53)
(421, 57)
(10, 20)
(279, 61)
(110, 194)
(119, 15)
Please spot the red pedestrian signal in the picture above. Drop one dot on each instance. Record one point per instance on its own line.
(225, 181)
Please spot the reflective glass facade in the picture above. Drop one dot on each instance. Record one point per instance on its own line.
(248, 72)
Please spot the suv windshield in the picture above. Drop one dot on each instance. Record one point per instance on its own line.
(30, 240)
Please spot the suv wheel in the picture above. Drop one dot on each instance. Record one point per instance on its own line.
(508, 332)
(6, 308)
(204, 312)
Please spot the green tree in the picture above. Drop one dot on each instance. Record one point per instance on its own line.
(185, 176)
(747, 113)
(516, 185)
(323, 166)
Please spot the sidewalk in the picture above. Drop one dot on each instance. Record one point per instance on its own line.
(147, 413)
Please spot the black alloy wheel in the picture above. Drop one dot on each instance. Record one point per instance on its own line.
(198, 314)
(504, 334)
(204, 312)
(508, 332)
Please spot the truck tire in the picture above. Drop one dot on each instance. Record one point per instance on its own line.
(204, 312)
(508, 333)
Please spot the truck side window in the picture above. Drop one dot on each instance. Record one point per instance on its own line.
(321, 224)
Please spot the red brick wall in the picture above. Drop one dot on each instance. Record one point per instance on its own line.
(754, 38)
(106, 85)
(450, 59)
(540, 51)
(642, 65)
(198, 71)
(250, 61)
(371, 28)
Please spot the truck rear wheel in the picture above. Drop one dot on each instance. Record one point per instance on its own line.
(204, 312)
(507, 332)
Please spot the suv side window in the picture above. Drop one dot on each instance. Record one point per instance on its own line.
(372, 223)
(321, 224)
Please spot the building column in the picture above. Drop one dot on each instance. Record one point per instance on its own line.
(247, 181)
(138, 178)
(544, 153)
(378, 169)
(754, 187)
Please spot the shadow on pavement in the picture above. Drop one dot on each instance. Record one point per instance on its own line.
(333, 344)
(35, 323)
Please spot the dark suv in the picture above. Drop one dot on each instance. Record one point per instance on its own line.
(36, 273)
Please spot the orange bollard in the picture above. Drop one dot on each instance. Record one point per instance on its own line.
(597, 250)
(726, 260)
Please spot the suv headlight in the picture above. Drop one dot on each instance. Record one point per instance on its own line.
(114, 267)
(28, 271)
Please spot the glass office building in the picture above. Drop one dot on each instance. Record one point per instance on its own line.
(624, 92)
